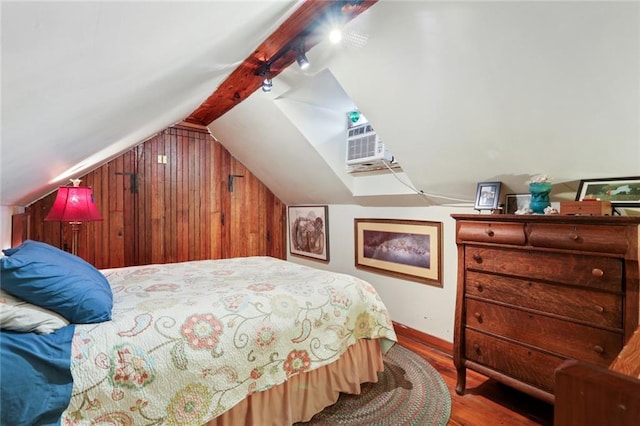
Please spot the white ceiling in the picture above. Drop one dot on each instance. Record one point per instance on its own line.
(461, 92)
(84, 81)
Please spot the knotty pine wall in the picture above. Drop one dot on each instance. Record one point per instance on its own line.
(182, 210)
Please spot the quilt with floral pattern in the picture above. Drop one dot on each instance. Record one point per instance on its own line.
(190, 340)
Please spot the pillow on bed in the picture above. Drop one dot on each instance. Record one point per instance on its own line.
(58, 281)
(18, 315)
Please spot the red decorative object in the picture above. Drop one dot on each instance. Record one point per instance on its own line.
(74, 204)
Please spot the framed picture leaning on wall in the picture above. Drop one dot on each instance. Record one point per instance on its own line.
(487, 195)
(309, 231)
(516, 202)
(621, 192)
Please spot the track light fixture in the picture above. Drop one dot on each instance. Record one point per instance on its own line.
(267, 84)
(264, 71)
(302, 60)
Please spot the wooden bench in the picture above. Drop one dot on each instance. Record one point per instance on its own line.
(588, 395)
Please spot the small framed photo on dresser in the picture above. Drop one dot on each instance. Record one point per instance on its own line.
(487, 195)
(516, 202)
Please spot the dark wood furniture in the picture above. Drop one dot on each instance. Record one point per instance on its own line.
(589, 395)
(536, 290)
(488, 402)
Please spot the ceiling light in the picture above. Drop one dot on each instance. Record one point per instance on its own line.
(302, 60)
(267, 84)
(335, 36)
(264, 71)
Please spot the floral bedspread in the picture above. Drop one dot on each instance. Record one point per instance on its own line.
(190, 340)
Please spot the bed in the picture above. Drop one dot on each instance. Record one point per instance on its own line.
(240, 341)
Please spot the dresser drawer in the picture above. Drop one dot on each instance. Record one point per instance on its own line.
(563, 337)
(612, 239)
(527, 365)
(490, 232)
(604, 273)
(594, 307)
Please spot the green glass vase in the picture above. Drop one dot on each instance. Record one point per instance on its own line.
(539, 196)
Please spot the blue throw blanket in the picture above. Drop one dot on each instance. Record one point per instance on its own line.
(35, 376)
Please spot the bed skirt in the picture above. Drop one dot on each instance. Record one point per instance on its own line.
(306, 394)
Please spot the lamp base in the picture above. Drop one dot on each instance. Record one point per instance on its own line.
(75, 228)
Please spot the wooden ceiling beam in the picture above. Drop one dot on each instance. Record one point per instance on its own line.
(279, 50)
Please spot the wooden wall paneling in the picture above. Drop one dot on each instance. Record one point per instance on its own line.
(194, 190)
(204, 195)
(225, 203)
(270, 226)
(116, 242)
(84, 251)
(114, 253)
(100, 241)
(92, 250)
(255, 204)
(164, 196)
(178, 210)
(135, 208)
(209, 165)
(182, 198)
(239, 214)
(156, 178)
(206, 141)
(37, 212)
(171, 253)
(276, 214)
(141, 205)
(129, 206)
(216, 195)
(192, 200)
(146, 239)
(93, 236)
(19, 229)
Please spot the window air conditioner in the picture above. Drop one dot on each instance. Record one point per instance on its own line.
(364, 146)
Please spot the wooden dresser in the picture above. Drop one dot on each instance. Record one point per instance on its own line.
(536, 290)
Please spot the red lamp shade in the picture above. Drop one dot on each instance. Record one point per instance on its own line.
(74, 204)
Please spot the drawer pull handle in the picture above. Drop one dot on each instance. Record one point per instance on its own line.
(478, 316)
(597, 272)
(477, 257)
(599, 309)
(476, 347)
(480, 288)
(489, 232)
(574, 236)
(599, 349)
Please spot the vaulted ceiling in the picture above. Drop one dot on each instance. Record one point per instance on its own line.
(306, 26)
(461, 92)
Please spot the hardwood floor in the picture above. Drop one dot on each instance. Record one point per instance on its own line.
(485, 402)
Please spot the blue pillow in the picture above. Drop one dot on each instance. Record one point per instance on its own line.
(48, 277)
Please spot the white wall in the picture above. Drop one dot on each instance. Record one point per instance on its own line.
(5, 226)
(420, 306)
(460, 93)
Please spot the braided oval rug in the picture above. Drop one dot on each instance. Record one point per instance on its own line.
(409, 392)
